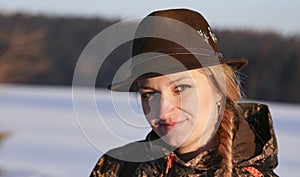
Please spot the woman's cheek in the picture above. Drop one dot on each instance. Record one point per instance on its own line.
(146, 107)
(149, 112)
(190, 103)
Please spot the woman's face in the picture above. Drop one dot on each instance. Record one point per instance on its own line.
(180, 107)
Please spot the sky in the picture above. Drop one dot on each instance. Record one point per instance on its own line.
(276, 15)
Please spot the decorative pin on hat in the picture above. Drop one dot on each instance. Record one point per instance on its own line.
(205, 36)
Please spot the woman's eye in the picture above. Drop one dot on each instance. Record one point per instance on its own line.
(181, 88)
(147, 95)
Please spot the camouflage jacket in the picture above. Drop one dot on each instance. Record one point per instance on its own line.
(254, 153)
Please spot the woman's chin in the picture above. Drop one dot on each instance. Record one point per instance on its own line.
(173, 141)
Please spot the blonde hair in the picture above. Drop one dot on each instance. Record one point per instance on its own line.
(225, 79)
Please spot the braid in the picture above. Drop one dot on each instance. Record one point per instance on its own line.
(226, 80)
(226, 133)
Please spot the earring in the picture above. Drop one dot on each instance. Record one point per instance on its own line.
(218, 106)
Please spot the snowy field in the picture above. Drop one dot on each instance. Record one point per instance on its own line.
(45, 139)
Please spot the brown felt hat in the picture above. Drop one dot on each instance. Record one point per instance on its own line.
(170, 41)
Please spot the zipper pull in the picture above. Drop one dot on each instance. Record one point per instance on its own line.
(170, 160)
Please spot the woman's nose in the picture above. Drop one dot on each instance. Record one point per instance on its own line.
(168, 108)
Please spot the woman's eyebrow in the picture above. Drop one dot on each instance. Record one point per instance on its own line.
(178, 80)
(142, 86)
(145, 87)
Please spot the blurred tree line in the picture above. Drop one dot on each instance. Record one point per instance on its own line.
(44, 50)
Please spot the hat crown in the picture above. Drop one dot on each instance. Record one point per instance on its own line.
(196, 33)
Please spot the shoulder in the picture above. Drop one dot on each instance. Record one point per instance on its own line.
(260, 121)
(106, 166)
(257, 120)
(121, 161)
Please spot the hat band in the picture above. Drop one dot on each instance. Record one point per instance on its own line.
(198, 51)
(142, 58)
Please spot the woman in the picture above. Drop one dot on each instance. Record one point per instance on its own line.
(189, 96)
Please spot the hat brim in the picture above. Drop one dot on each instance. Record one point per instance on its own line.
(236, 64)
(127, 85)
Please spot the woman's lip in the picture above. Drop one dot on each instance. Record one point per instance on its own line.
(170, 125)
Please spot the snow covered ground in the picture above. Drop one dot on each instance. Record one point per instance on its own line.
(45, 139)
